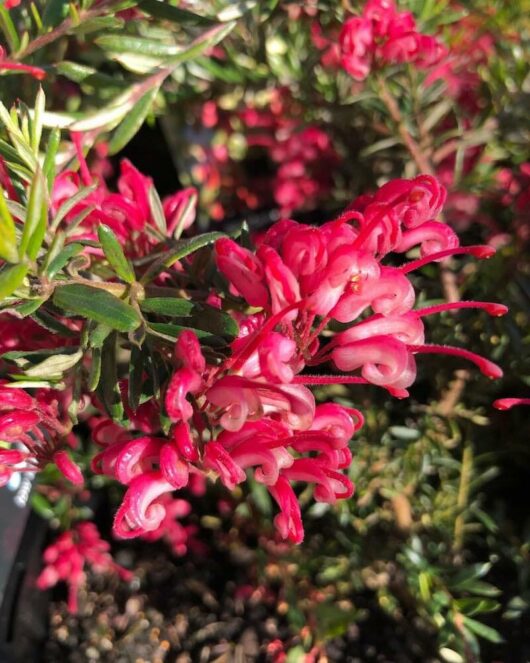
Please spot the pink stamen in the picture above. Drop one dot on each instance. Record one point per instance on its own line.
(508, 403)
(238, 360)
(493, 308)
(77, 139)
(488, 368)
(328, 379)
(481, 251)
(36, 72)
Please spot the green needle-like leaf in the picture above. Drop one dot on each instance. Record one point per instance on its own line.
(114, 254)
(97, 304)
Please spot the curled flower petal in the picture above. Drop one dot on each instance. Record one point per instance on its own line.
(67, 467)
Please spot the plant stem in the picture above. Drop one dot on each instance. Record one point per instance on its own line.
(463, 495)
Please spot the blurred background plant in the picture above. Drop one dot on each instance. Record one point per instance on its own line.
(255, 104)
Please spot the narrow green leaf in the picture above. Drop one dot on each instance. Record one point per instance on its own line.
(202, 43)
(69, 204)
(169, 306)
(114, 254)
(10, 279)
(482, 630)
(98, 335)
(184, 247)
(8, 28)
(28, 307)
(157, 210)
(95, 369)
(108, 389)
(97, 304)
(8, 238)
(36, 218)
(36, 124)
(235, 10)
(120, 43)
(54, 366)
(48, 167)
(41, 506)
(168, 12)
(132, 122)
(63, 258)
(46, 320)
(136, 370)
(173, 331)
(55, 12)
(216, 322)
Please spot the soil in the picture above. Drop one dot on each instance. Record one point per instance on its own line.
(198, 609)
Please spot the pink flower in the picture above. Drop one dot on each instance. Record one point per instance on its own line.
(180, 209)
(66, 558)
(356, 45)
(244, 271)
(249, 411)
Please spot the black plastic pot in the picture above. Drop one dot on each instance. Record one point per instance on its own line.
(22, 605)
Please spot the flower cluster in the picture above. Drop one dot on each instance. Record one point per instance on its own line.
(299, 160)
(65, 560)
(252, 412)
(128, 212)
(34, 433)
(383, 35)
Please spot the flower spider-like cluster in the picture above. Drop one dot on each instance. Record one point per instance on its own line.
(65, 560)
(34, 434)
(305, 297)
(383, 35)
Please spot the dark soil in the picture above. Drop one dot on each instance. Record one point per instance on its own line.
(202, 610)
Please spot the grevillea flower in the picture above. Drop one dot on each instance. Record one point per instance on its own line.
(383, 35)
(127, 212)
(252, 412)
(508, 403)
(66, 558)
(36, 433)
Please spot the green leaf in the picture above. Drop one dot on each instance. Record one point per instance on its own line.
(215, 321)
(62, 258)
(36, 125)
(173, 331)
(98, 335)
(36, 218)
(136, 370)
(114, 254)
(132, 122)
(120, 43)
(184, 247)
(41, 506)
(157, 210)
(108, 389)
(48, 166)
(482, 630)
(97, 304)
(54, 366)
(94, 375)
(470, 573)
(451, 656)
(55, 12)
(27, 358)
(8, 238)
(167, 12)
(235, 10)
(169, 306)
(11, 278)
(28, 307)
(69, 204)
(46, 320)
